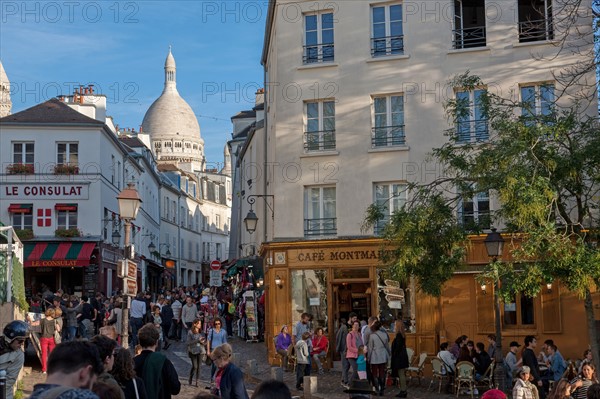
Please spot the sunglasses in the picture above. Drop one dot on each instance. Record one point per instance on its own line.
(217, 324)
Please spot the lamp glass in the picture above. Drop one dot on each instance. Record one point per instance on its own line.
(129, 202)
(116, 237)
(168, 253)
(483, 287)
(151, 247)
(494, 244)
(278, 281)
(251, 221)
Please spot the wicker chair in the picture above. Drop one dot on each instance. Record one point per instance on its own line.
(465, 377)
(487, 379)
(439, 373)
(417, 371)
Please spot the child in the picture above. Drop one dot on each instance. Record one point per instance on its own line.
(157, 320)
(361, 363)
(302, 366)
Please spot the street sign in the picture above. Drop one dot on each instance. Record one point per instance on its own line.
(215, 265)
(131, 287)
(128, 268)
(215, 278)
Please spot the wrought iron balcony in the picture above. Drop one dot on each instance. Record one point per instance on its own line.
(380, 225)
(320, 227)
(389, 45)
(469, 37)
(316, 53)
(475, 221)
(472, 131)
(323, 140)
(387, 136)
(535, 31)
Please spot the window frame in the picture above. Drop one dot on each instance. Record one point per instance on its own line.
(476, 135)
(469, 36)
(320, 46)
(476, 214)
(388, 38)
(540, 104)
(396, 198)
(19, 220)
(326, 226)
(525, 24)
(67, 153)
(68, 219)
(325, 139)
(24, 153)
(519, 313)
(395, 135)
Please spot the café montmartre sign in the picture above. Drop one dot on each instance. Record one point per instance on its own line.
(339, 255)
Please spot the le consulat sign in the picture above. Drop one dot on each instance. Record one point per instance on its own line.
(30, 191)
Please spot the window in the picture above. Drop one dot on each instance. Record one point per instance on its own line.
(388, 121)
(320, 126)
(67, 153)
(218, 221)
(318, 38)
(217, 189)
(197, 252)
(392, 197)
(387, 34)
(474, 212)
(469, 24)
(218, 250)
(535, 20)
(167, 208)
(23, 153)
(22, 216)
(319, 212)
(66, 219)
(538, 102)
(190, 250)
(519, 312)
(471, 126)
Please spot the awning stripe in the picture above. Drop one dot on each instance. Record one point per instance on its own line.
(20, 208)
(58, 254)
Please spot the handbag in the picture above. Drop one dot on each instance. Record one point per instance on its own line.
(57, 336)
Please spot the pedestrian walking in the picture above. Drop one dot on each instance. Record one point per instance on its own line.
(229, 379)
(196, 346)
(353, 341)
(136, 320)
(166, 314)
(106, 347)
(49, 327)
(400, 358)
(123, 372)
(216, 336)
(12, 356)
(302, 357)
(378, 355)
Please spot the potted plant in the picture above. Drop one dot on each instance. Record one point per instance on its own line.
(20, 169)
(67, 233)
(24, 234)
(66, 169)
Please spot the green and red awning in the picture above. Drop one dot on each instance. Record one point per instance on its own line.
(58, 254)
(20, 208)
(66, 207)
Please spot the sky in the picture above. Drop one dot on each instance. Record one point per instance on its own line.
(49, 47)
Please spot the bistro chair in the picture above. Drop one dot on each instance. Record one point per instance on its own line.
(465, 372)
(417, 372)
(411, 353)
(439, 373)
(487, 379)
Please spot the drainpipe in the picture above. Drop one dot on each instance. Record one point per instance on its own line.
(265, 166)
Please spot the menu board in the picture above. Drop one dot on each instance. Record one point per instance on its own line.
(251, 322)
(89, 279)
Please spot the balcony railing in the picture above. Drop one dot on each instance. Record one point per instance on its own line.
(323, 140)
(316, 53)
(469, 37)
(380, 225)
(475, 221)
(535, 31)
(387, 136)
(320, 227)
(389, 45)
(472, 131)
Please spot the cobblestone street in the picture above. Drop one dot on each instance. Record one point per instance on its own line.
(328, 384)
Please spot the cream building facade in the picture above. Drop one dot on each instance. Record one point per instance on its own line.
(5, 101)
(354, 105)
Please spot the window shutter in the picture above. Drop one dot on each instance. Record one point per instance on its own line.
(551, 315)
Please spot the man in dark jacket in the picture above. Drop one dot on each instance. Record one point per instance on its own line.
(482, 360)
(159, 374)
(530, 360)
(166, 315)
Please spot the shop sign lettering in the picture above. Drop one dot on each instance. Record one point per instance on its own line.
(50, 263)
(48, 191)
(322, 256)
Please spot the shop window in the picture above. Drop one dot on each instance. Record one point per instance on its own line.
(309, 295)
(519, 312)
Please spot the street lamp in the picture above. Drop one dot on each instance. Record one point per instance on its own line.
(152, 248)
(251, 220)
(116, 238)
(129, 204)
(494, 244)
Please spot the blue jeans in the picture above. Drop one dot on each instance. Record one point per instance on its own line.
(71, 333)
(345, 367)
(136, 323)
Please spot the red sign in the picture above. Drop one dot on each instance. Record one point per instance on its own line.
(215, 265)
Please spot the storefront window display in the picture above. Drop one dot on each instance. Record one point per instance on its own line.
(396, 302)
(309, 295)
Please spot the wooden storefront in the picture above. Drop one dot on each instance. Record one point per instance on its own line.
(331, 278)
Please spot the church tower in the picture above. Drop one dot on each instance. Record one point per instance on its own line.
(5, 102)
(173, 127)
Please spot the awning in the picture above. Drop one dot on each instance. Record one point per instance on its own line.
(58, 254)
(65, 207)
(20, 208)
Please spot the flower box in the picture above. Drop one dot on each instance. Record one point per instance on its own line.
(66, 169)
(67, 233)
(24, 234)
(20, 169)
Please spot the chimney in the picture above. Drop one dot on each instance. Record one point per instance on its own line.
(259, 97)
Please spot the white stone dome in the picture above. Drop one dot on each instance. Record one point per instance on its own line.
(170, 116)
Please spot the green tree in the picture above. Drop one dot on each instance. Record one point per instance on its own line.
(544, 170)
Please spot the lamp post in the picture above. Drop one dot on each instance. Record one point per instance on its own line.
(129, 204)
(494, 244)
